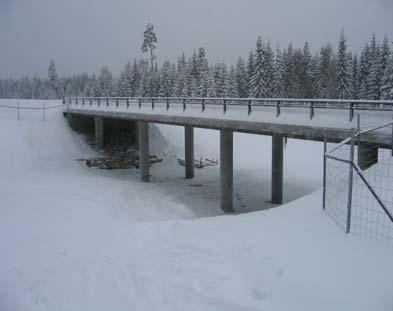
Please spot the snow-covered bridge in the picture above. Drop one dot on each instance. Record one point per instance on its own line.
(309, 119)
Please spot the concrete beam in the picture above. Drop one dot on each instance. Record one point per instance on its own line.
(277, 168)
(144, 165)
(226, 170)
(189, 151)
(367, 155)
(99, 132)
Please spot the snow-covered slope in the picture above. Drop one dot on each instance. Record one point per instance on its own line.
(78, 239)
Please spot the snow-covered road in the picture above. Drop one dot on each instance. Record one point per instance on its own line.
(78, 239)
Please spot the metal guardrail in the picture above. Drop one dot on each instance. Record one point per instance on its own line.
(311, 104)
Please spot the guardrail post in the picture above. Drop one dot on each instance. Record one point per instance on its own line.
(98, 102)
(83, 101)
(107, 102)
(184, 104)
(203, 105)
(278, 108)
(152, 104)
(117, 102)
(91, 102)
(351, 114)
(249, 107)
(18, 111)
(350, 181)
(311, 110)
(128, 103)
(43, 109)
(76, 101)
(167, 104)
(139, 103)
(225, 105)
(324, 172)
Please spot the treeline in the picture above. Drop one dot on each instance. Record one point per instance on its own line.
(266, 72)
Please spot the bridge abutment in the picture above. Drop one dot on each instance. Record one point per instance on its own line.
(99, 132)
(226, 170)
(367, 155)
(277, 168)
(189, 151)
(144, 165)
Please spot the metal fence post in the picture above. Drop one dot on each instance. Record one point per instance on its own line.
(350, 180)
(324, 173)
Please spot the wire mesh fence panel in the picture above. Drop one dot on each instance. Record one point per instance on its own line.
(368, 217)
(371, 199)
(337, 186)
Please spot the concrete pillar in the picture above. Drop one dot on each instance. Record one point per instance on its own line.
(189, 151)
(367, 155)
(226, 170)
(277, 168)
(99, 132)
(144, 165)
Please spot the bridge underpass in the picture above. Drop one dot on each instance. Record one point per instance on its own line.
(281, 119)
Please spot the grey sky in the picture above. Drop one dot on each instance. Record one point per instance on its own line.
(83, 35)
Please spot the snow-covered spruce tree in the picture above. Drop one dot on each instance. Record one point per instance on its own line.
(241, 78)
(211, 85)
(387, 81)
(306, 73)
(202, 68)
(327, 82)
(250, 71)
(364, 71)
(231, 89)
(53, 81)
(258, 78)
(181, 76)
(291, 82)
(269, 70)
(343, 69)
(355, 83)
(105, 82)
(315, 76)
(166, 82)
(278, 75)
(150, 43)
(374, 79)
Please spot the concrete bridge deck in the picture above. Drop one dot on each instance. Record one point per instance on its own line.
(316, 120)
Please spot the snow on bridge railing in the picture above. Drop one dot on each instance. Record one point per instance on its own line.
(278, 103)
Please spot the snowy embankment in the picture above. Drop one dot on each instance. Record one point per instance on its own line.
(72, 238)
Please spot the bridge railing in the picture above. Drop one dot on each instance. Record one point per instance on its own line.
(351, 106)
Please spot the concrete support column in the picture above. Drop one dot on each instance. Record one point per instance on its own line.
(189, 151)
(144, 163)
(367, 155)
(226, 170)
(99, 132)
(277, 168)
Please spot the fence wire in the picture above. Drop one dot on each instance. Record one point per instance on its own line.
(362, 206)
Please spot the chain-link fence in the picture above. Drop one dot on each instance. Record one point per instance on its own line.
(358, 182)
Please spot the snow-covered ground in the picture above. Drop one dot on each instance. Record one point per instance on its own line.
(72, 238)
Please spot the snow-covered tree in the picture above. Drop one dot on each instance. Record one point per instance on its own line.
(278, 78)
(53, 81)
(241, 78)
(343, 69)
(327, 82)
(258, 78)
(387, 81)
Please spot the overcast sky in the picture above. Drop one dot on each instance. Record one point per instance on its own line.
(83, 35)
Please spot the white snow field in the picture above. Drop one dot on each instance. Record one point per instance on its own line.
(73, 238)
